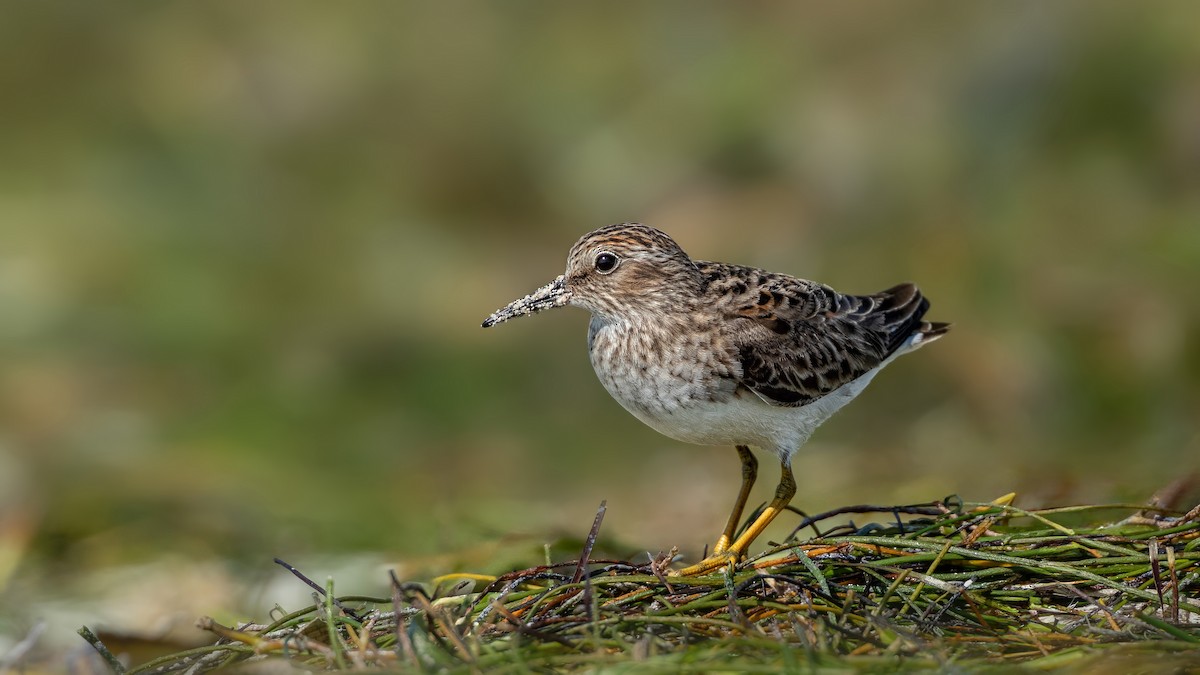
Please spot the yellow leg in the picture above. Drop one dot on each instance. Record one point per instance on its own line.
(783, 495)
(749, 474)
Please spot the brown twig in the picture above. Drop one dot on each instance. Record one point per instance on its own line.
(589, 543)
(318, 588)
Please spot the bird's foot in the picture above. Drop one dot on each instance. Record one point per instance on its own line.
(716, 561)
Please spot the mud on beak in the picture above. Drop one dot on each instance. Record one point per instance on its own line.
(553, 294)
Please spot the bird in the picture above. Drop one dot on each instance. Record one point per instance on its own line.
(719, 354)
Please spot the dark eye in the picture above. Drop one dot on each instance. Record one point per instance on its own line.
(606, 262)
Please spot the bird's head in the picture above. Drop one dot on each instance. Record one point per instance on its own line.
(613, 272)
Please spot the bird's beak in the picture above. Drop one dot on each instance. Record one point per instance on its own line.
(553, 294)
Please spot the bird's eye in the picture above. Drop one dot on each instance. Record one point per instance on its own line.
(606, 262)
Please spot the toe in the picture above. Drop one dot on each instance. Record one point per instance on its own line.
(709, 564)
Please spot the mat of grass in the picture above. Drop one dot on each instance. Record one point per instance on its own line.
(962, 584)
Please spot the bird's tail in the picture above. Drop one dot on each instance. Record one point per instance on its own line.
(928, 331)
(901, 309)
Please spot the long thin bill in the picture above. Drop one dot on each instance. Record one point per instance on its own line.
(553, 294)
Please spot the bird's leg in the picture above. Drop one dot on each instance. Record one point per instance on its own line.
(749, 474)
(783, 495)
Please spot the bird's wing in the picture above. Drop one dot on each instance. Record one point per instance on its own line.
(798, 340)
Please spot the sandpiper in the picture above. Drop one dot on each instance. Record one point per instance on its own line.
(720, 354)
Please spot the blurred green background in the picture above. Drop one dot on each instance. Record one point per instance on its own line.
(245, 249)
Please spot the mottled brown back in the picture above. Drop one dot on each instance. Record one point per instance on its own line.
(798, 340)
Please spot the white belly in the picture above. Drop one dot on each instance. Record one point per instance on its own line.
(690, 393)
(743, 418)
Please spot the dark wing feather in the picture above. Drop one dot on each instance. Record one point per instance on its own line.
(798, 340)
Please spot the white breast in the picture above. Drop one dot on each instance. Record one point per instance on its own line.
(655, 371)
